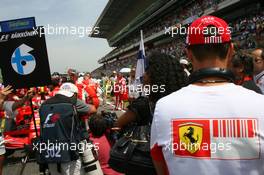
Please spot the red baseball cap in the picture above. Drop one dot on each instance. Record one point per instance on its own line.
(208, 30)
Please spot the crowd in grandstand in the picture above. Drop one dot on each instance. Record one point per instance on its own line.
(190, 9)
(245, 30)
(250, 24)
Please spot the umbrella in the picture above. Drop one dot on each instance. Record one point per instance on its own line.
(125, 70)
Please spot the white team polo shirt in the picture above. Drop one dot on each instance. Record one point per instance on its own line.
(209, 130)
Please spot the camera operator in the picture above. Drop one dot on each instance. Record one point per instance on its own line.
(63, 127)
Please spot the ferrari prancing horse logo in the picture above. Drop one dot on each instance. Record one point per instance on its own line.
(217, 138)
(191, 135)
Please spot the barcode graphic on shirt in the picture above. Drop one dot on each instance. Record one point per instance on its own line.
(235, 128)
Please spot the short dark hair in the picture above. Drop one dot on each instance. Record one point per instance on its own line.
(55, 82)
(205, 51)
(87, 73)
(97, 125)
(246, 62)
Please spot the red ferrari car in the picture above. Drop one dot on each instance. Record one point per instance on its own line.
(24, 130)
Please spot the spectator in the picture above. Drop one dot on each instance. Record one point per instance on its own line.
(258, 60)
(10, 106)
(73, 74)
(3, 94)
(103, 84)
(55, 85)
(242, 67)
(97, 123)
(196, 115)
(132, 86)
(164, 72)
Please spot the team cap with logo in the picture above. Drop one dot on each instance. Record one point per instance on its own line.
(68, 89)
(208, 30)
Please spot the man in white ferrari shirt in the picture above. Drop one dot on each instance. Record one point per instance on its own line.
(212, 126)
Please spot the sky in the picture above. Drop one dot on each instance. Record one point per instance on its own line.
(64, 50)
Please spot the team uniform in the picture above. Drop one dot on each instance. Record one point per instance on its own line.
(120, 91)
(54, 91)
(210, 130)
(91, 90)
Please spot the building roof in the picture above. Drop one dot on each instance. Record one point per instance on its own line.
(110, 15)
